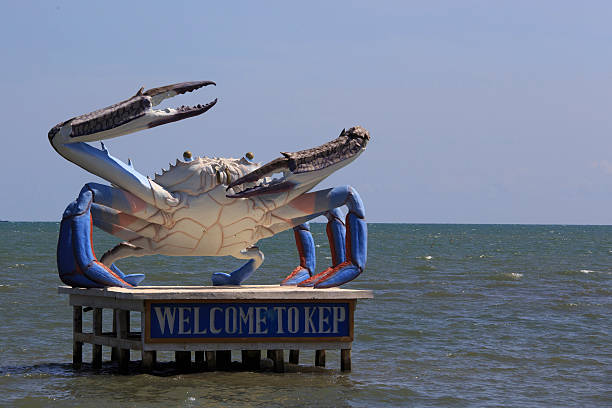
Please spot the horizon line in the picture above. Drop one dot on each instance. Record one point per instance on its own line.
(410, 223)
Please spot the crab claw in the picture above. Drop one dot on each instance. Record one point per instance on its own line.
(131, 115)
(305, 167)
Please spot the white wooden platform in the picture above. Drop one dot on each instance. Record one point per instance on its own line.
(139, 299)
(219, 292)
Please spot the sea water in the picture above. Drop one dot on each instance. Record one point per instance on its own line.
(463, 315)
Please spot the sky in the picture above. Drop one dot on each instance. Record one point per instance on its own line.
(478, 111)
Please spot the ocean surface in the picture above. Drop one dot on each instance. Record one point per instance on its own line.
(463, 315)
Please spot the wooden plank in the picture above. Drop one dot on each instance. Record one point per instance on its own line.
(259, 292)
(123, 318)
(345, 360)
(320, 358)
(294, 356)
(77, 328)
(106, 303)
(96, 350)
(149, 358)
(110, 340)
(211, 360)
(183, 360)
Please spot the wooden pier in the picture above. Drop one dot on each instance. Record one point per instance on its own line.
(214, 320)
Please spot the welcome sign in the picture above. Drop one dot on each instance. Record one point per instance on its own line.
(244, 321)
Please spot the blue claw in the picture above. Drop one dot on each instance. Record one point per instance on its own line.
(235, 278)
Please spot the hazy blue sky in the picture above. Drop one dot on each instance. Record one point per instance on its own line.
(479, 111)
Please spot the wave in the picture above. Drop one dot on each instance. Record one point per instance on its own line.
(506, 276)
(580, 272)
(424, 268)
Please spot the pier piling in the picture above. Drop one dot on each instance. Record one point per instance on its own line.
(77, 328)
(320, 358)
(345, 360)
(96, 349)
(294, 356)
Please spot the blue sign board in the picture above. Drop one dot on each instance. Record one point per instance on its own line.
(244, 321)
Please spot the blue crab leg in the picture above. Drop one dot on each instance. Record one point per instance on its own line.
(255, 257)
(127, 217)
(356, 229)
(135, 212)
(306, 250)
(110, 220)
(76, 260)
(356, 248)
(102, 164)
(336, 232)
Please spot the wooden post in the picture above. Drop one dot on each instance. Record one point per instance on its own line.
(123, 328)
(115, 350)
(149, 358)
(77, 346)
(199, 359)
(320, 358)
(211, 360)
(96, 349)
(345, 360)
(294, 356)
(251, 359)
(224, 359)
(183, 359)
(278, 356)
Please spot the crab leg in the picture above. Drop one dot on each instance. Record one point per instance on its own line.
(306, 250)
(320, 202)
(135, 213)
(76, 260)
(255, 257)
(336, 232)
(123, 250)
(102, 164)
(116, 223)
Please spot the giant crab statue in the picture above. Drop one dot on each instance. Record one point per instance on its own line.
(203, 206)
